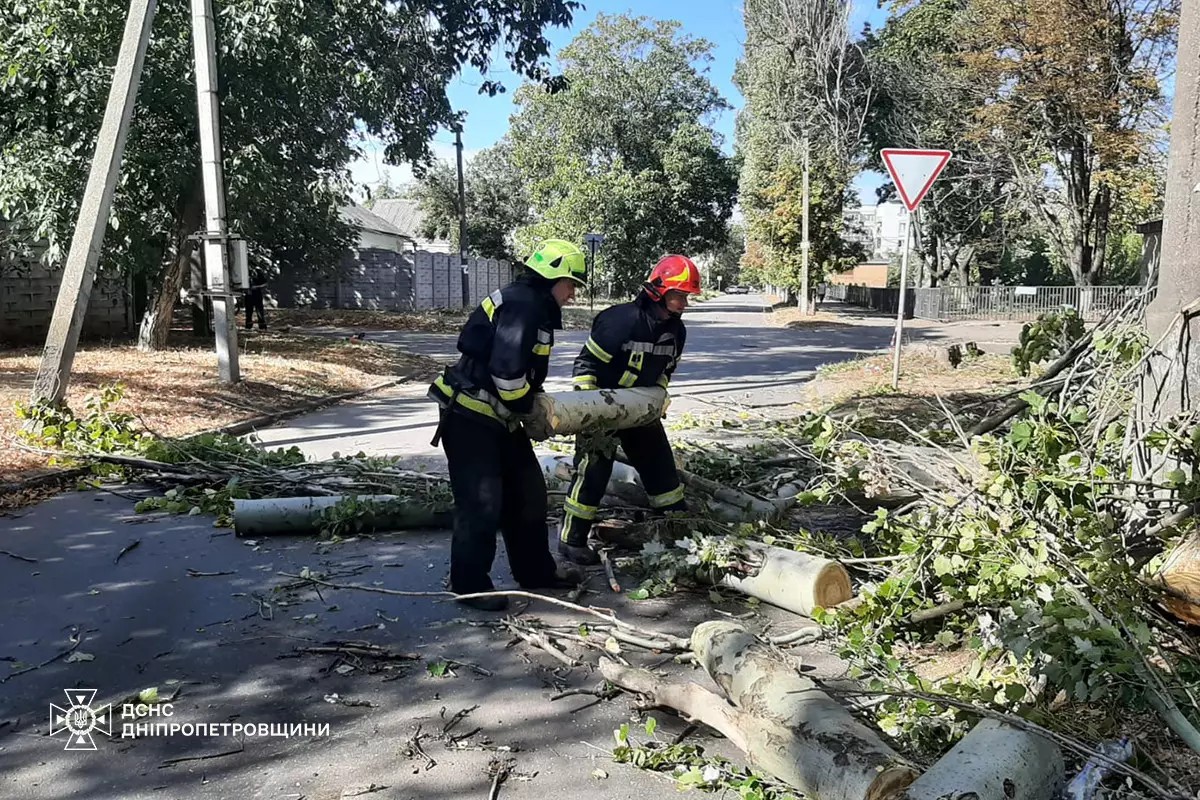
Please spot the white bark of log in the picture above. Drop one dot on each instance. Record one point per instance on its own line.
(298, 515)
(796, 582)
(691, 700)
(560, 413)
(993, 762)
(800, 735)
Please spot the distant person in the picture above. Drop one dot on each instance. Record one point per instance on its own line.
(821, 288)
(255, 304)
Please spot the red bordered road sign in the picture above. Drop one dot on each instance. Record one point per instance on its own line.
(914, 171)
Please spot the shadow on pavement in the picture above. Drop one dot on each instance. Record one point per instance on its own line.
(229, 643)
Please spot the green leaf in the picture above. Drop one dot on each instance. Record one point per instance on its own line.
(651, 725)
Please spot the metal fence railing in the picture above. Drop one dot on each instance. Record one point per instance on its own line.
(1021, 303)
(1011, 303)
(875, 298)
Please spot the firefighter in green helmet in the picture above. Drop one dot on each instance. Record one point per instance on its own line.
(496, 479)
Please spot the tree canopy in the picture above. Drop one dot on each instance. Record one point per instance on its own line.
(1056, 115)
(496, 198)
(806, 88)
(299, 83)
(626, 148)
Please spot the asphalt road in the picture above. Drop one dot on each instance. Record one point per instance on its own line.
(735, 357)
(195, 610)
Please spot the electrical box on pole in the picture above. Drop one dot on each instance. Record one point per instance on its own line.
(239, 263)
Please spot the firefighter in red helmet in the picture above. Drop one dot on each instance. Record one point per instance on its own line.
(632, 344)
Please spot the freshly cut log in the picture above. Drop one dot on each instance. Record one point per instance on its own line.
(800, 735)
(1180, 575)
(993, 762)
(796, 582)
(559, 413)
(303, 514)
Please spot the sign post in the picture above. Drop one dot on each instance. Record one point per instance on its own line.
(593, 240)
(913, 172)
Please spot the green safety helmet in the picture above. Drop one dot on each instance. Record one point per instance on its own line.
(555, 258)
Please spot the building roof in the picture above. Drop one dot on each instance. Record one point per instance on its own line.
(365, 220)
(403, 214)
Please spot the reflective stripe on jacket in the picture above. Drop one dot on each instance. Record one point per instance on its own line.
(505, 352)
(630, 345)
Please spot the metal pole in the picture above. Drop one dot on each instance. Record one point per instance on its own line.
(462, 221)
(79, 273)
(592, 278)
(900, 307)
(215, 233)
(805, 245)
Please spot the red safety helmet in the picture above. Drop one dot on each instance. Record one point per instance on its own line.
(673, 272)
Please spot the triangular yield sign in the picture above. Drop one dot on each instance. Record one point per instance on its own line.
(914, 171)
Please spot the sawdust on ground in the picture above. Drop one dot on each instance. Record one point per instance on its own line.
(791, 318)
(176, 392)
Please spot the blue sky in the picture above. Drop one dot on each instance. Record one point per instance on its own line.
(718, 21)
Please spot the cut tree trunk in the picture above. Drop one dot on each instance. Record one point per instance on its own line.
(1181, 577)
(993, 762)
(800, 735)
(796, 582)
(299, 515)
(691, 700)
(561, 413)
(155, 327)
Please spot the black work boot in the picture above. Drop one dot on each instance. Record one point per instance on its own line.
(482, 603)
(582, 555)
(565, 576)
(486, 603)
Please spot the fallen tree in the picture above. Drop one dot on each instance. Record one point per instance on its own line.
(376, 512)
(787, 726)
(783, 723)
(801, 735)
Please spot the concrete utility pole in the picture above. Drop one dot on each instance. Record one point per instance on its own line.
(462, 220)
(804, 242)
(1178, 278)
(215, 236)
(54, 373)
